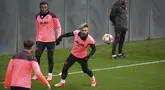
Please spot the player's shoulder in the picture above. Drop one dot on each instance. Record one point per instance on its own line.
(91, 38)
(37, 15)
(24, 56)
(14, 56)
(34, 58)
(31, 58)
(76, 32)
(52, 14)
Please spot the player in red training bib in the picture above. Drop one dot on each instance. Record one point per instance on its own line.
(45, 35)
(18, 74)
(81, 41)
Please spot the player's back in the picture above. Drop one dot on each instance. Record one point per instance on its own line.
(22, 68)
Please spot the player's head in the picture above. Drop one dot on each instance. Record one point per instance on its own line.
(44, 7)
(84, 29)
(123, 1)
(28, 44)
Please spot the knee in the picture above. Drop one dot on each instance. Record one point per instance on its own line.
(38, 55)
(51, 63)
(116, 41)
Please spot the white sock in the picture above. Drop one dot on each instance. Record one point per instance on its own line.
(120, 54)
(62, 81)
(50, 74)
(113, 55)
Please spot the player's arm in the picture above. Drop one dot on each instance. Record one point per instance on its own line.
(8, 74)
(93, 47)
(58, 25)
(37, 24)
(38, 73)
(69, 34)
(37, 27)
(113, 15)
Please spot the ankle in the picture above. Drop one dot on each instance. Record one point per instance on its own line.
(113, 55)
(62, 81)
(49, 74)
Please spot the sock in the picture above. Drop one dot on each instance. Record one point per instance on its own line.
(62, 81)
(113, 55)
(120, 54)
(50, 74)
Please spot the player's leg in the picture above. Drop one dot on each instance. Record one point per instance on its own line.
(85, 69)
(50, 51)
(121, 43)
(68, 63)
(116, 41)
(40, 46)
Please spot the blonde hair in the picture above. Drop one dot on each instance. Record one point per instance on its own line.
(82, 26)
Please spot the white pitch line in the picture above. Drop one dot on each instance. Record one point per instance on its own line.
(115, 67)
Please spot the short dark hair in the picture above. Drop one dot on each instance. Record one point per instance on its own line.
(28, 44)
(43, 3)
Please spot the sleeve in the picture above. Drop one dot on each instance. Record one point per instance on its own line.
(8, 74)
(69, 34)
(76, 32)
(92, 41)
(37, 27)
(112, 15)
(93, 47)
(38, 73)
(58, 26)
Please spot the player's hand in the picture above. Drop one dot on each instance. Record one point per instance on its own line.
(113, 24)
(48, 86)
(87, 58)
(57, 42)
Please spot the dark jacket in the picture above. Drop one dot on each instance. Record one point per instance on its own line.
(118, 15)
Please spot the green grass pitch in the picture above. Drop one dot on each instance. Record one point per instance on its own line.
(143, 77)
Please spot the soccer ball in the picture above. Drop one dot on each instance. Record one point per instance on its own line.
(108, 38)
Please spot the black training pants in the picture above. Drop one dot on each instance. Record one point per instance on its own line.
(40, 47)
(119, 39)
(70, 61)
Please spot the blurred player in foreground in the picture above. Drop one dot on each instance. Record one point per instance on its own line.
(18, 75)
(81, 41)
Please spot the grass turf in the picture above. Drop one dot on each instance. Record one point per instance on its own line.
(146, 77)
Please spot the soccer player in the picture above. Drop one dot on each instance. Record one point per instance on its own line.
(18, 74)
(81, 41)
(118, 16)
(45, 35)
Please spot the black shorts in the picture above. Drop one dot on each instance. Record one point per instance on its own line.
(18, 88)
